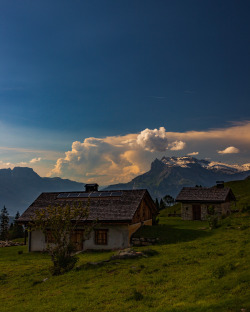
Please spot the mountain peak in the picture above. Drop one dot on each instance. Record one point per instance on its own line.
(188, 162)
(24, 173)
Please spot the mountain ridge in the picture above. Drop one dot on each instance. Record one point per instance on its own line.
(170, 174)
(20, 186)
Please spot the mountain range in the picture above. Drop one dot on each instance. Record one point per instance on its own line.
(20, 186)
(168, 175)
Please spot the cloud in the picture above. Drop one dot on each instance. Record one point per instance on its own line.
(153, 140)
(96, 159)
(229, 150)
(35, 160)
(117, 159)
(177, 146)
(111, 159)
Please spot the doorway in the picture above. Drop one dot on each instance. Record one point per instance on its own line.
(196, 212)
(77, 239)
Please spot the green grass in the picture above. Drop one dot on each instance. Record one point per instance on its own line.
(195, 270)
(241, 189)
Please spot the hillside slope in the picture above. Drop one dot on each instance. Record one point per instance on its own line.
(241, 190)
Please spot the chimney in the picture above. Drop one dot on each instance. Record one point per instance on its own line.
(91, 187)
(220, 184)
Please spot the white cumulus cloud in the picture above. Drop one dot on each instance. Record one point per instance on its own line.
(193, 154)
(229, 150)
(153, 140)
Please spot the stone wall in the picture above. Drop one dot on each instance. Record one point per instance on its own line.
(143, 241)
(186, 211)
(220, 209)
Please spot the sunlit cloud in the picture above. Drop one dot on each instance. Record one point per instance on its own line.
(177, 146)
(229, 150)
(118, 159)
(153, 140)
(35, 160)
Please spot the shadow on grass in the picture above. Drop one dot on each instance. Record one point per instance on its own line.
(169, 234)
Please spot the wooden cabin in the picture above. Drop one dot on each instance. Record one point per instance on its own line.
(119, 215)
(195, 201)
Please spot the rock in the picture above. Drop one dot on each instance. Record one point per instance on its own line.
(10, 244)
(127, 254)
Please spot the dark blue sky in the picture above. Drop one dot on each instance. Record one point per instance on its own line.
(114, 67)
(70, 70)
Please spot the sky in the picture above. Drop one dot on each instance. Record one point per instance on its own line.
(95, 90)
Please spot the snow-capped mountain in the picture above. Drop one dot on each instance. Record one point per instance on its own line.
(170, 174)
(186, 161)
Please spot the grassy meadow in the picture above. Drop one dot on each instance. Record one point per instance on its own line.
(194, 269)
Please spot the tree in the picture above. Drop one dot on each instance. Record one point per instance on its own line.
(162, 204)
(58, 224)
(169, 200)
(4, 224)
(16, 229)
(157, 204)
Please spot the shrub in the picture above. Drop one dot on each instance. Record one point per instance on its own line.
(58, 224)
(212, 218)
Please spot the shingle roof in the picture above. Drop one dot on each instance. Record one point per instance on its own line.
(119, 208)
(205, 194)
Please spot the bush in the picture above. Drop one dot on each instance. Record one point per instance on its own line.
(63, 260)
(213, 222)
(212, 218)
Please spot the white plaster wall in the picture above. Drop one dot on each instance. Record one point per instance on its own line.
(118, 237)
(37, 242)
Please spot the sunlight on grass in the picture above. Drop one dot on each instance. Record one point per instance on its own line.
(193, 269)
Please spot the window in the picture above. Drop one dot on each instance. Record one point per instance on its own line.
(101, 237)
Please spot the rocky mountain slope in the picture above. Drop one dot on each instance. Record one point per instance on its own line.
(170, 174)
(20, 187)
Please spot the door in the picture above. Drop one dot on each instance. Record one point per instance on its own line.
(196, 212)
(77, 239)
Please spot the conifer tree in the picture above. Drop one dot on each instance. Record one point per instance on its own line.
(162, 204)
(16, 229)
(157, 204)
(4, 224)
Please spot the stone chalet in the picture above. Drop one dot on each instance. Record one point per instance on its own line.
(119, 215)
(196, 200)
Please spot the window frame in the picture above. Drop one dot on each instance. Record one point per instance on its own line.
(101, 237)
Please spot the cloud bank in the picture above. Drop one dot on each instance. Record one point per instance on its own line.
(113, 159)
(118, 159)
